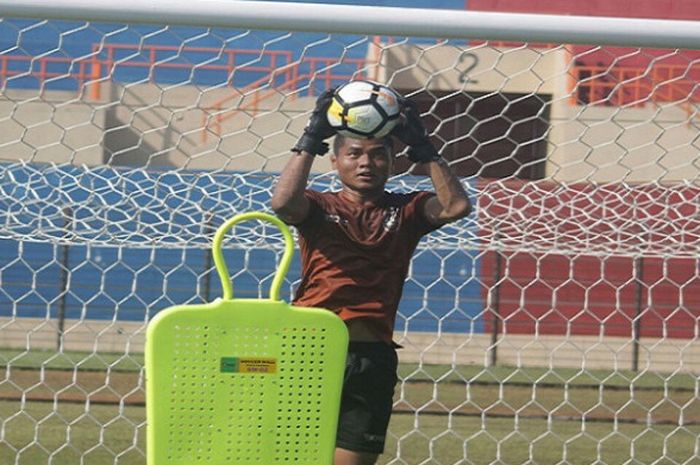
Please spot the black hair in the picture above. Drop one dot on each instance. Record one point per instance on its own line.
(339, 140)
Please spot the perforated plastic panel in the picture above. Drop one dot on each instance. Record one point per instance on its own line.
(244, 382)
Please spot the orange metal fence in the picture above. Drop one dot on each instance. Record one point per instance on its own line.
(106, 60)
(279, 71)
(82, 71)
(590, 85)
(635, 86)
(318, 68)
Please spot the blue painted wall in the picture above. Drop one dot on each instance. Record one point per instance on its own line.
(136, 281)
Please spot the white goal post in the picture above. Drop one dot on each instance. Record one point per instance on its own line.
(372, 20)
(559, 323)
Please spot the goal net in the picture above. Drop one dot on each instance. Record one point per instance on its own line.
(559, 323)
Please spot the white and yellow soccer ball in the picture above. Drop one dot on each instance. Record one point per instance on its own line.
(364, 109)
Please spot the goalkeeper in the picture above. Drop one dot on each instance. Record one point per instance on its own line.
(356, 246)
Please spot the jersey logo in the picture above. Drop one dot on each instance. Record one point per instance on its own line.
(390, 222)
(391, 219)
(335, 219)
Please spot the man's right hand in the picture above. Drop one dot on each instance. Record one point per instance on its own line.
(318, 128)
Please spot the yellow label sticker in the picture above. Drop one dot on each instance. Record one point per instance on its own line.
(250, 365)
(257, 365)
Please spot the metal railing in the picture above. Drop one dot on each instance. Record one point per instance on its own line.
(635, 86)
(262, 74)
(316, 69)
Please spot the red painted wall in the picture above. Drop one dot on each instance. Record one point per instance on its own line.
(587, 295)
(659, 9)
(615, 56)
(582, 293)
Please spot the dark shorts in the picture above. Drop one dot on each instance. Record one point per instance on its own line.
(368, 391)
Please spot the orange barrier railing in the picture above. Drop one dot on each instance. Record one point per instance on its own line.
(214, 115)
(279, 72)
(316, 69)
(275, 72)
(106, 59)
(254, 61)
(155, 59)
(82, 71)
(635, 86)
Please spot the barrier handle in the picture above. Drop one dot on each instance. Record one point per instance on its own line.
(220, 263)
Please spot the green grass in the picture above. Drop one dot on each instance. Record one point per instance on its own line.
(409, 371)
(515, 401)
(69, 360)
(36, 432)
(548, 376)
(433, 440)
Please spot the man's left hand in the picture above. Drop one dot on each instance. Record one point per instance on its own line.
(410, 131)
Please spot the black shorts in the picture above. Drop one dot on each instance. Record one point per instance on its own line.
(368, 397)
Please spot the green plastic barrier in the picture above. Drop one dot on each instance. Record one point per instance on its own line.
(244, 381)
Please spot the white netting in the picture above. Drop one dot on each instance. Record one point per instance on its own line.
(559, 323)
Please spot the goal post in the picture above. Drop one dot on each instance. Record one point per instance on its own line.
(560, 322)
(373, 20)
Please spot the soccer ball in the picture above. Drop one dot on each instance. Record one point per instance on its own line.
(364, 110)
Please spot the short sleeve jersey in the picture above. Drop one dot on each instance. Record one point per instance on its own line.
(355, 258)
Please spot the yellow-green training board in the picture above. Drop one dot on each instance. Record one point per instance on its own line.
(244, 381)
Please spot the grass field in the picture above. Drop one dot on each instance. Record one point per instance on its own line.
(443, 415)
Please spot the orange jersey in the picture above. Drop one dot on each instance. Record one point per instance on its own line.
(354, 259)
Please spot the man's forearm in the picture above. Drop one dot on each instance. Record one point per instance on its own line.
(449, 190)
(288, 199)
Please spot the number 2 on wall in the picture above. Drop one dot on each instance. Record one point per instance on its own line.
(472, 61)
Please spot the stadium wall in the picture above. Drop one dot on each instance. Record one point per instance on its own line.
(152, 117)
(662, 355)
(458, 306)
(155, 127)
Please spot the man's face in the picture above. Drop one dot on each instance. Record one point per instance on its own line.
(363, 165)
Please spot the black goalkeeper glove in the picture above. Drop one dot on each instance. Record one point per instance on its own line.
(410, 131)
(318, 128)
